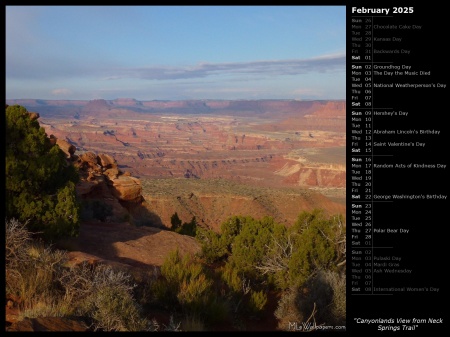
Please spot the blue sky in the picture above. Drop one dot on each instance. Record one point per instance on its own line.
(175, 52)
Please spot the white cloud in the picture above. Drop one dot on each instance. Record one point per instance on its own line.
(323, 63)
(61, 92)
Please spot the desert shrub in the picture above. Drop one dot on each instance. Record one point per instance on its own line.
(338, 283)
(177, 269)
(326, 291)
(232, 278)
(46, 307)
(321, 300)
(187, 286)
(315, 240)
(239, 291)
(317, 293)
(40, 272)
(194, 293)
(187, 283)
(287, 311)
(257, 302)
(188, 228)
(303, 261)
(115, 310)
(17, 239)
(105, 295)
(265, 251)
(251, 245)
(242, 240)
(175, 221)
(230, 228)
(31, 267)
(212, 247)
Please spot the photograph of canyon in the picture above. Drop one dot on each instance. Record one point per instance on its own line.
(147, 195)
(213, 159)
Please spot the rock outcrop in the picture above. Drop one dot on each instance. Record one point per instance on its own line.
(125, 188)
(33, 115)
(66, 147)
(106, 161)
(101, 180)
(102, 169)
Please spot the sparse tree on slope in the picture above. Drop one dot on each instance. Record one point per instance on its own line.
(40, 185)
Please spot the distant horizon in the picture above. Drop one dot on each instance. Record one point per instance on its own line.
(175, 53)
(175, 100)
(172, 100)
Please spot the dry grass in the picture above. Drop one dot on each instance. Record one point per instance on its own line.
(38, 276)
